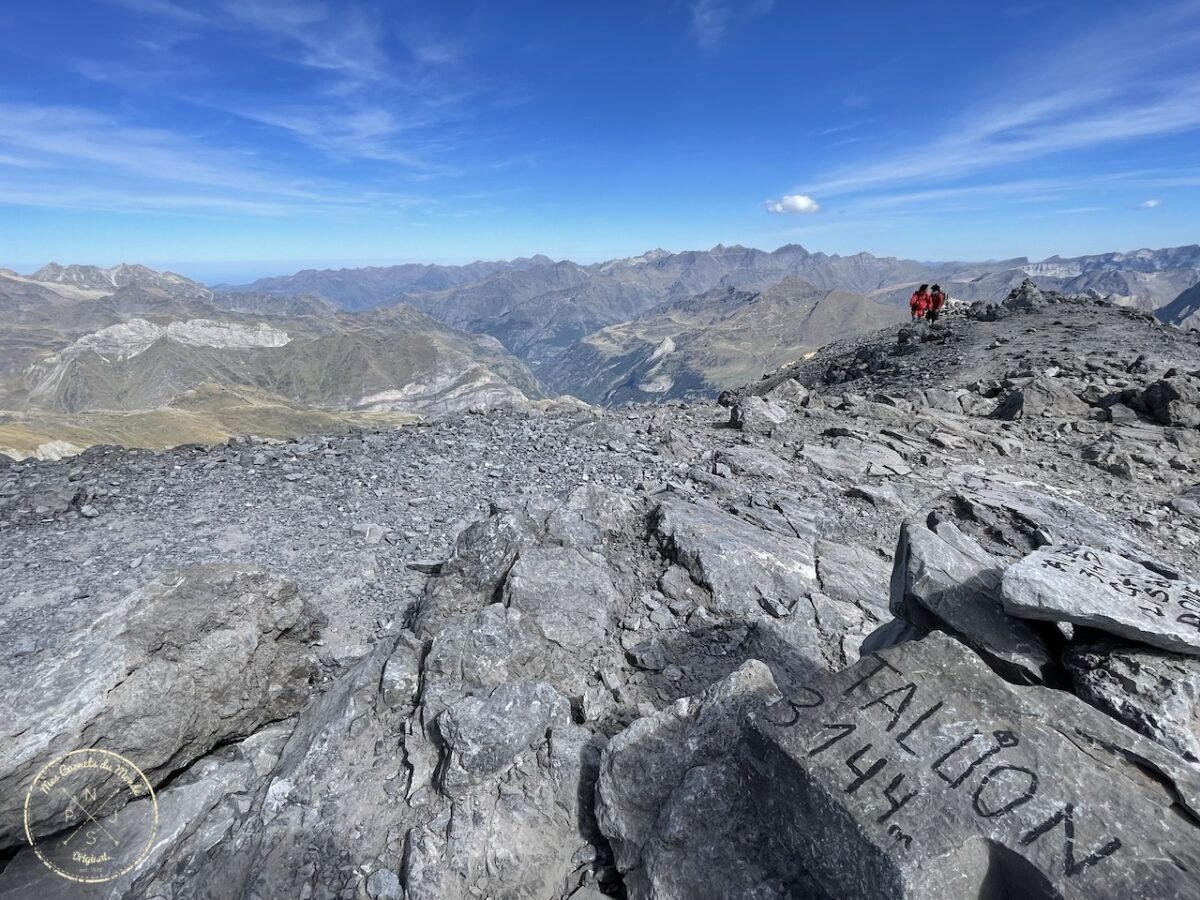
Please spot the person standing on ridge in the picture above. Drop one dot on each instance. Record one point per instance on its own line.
(918, 303)
(937, 299)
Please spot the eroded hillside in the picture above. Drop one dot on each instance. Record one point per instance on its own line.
(140, 358)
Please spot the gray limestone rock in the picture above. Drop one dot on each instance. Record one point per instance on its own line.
(591, 515)
(1010, 520)
(853, 574)
(567, 594)
(852, 458)
(479, 652)
(197, 657)
(485, 733)
(1025, 297)
(1154, 692)
(943, 578)
(749, 461)
(1083, 586)
(756, 415)
(200, 808)
(1044, 397)
(673, 801)
(1174, 400)
(1111, 456)
(888, 494)
(402, 672)
(789, 392)
(525, 837)
(738, 562)
(918, 773)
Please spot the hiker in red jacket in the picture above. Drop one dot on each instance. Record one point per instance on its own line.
(937, 299)
(918, 303)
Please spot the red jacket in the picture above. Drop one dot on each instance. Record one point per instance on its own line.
(919, 302)
(936, 300)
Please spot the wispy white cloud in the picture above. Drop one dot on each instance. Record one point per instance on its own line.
(82, 159)
(1153, 203)
(405, 103)
(58, 134)
(836, 129)
(712, 19)
(342, 39)
(1146, 88)
(162, 9)
(793, 203)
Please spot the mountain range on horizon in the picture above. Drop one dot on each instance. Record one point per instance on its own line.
(127, 354)
(372, 285)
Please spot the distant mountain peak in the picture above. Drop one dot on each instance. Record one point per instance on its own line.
(97, 281)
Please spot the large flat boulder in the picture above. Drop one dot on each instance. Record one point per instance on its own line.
(918, 773)
(852, 458)
(1009, 520)
(756, 415)
(741, 564)
(1044, 397)
(195, 658)
(1084, 586)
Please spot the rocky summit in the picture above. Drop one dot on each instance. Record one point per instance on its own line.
(916, 617)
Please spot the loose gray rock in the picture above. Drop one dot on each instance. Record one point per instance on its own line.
(1071, 583)
(851, 458)
(484, 734)
(748, 461)
(1044, 397)
(1173, 401)
(736, 561)
(566, 594)
(756, 415)
(942, 578)
(1025, 297)
(1154, 692)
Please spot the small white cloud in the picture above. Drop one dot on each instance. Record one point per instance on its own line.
(793, 203)
(1151, 204)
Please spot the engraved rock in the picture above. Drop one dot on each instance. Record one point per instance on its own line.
(1071, 583)
(918, 773)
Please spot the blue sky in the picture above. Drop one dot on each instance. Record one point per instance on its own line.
(231, 139)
